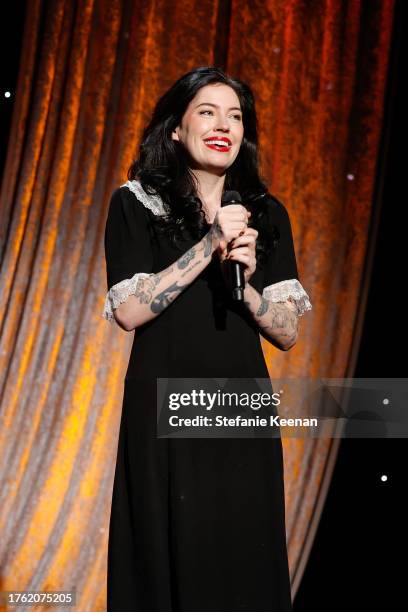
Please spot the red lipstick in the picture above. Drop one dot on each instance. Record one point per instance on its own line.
(218, 143)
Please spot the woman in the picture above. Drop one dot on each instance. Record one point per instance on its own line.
(198, 524)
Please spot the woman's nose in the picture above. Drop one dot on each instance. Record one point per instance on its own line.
(222, 124)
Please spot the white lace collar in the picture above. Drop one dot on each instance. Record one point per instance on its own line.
(152, 202)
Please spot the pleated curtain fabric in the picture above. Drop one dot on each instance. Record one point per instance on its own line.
(89, 75)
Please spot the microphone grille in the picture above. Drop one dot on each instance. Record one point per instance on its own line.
(229, 197)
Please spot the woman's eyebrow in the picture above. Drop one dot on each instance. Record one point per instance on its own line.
(216, 106)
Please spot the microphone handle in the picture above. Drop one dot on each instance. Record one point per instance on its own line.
(237, 281)
(237, 276)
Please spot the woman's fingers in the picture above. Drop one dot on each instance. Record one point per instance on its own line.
(246, 241)
(246, 256)
(243, 250)
(240, 252)
(249, 237)
(232, 220)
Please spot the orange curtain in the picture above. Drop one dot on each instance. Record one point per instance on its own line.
(89, 76)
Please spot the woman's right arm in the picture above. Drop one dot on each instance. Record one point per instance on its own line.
(155, 292)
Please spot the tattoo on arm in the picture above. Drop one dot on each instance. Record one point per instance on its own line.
(276, 320)
(207, 244)
(204, 246)
(145, 286)
(214, 234)
(279, 318)
(196, 263)
(216, 230)
(186, 258)
(163, 299)
(163, 273)
(263, 307)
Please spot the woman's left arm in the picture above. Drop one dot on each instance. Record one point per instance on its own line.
(278, 322)
(277, 319)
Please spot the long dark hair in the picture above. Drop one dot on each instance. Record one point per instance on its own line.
(162, 167)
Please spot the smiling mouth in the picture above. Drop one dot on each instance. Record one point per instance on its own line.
(218, 145)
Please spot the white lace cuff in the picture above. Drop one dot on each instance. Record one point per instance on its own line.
(119, 293)
(280, 292)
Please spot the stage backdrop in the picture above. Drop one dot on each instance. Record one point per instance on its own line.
(90, 73)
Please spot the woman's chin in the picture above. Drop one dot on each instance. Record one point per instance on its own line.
(212, 168)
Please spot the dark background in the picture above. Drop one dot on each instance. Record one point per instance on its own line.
(355, 562)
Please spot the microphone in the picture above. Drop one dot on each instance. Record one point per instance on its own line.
(236, 267)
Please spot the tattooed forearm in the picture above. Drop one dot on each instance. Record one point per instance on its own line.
(196, 263)
(216, 230)
(163, 273)
(145, 288)
(263, 307)
(208, 244)
(186, 258)
(212, 238)
(166, 297)
(152, 296)
(276, 320)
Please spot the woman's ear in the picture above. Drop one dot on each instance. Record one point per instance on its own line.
(174, 134)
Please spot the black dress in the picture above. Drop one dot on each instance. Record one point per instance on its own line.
(197, 524)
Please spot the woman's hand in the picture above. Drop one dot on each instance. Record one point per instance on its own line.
(228, 223)
(242, 249)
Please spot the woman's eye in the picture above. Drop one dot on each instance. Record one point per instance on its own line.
(238, 117)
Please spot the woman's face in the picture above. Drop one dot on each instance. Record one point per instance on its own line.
(211, 129)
